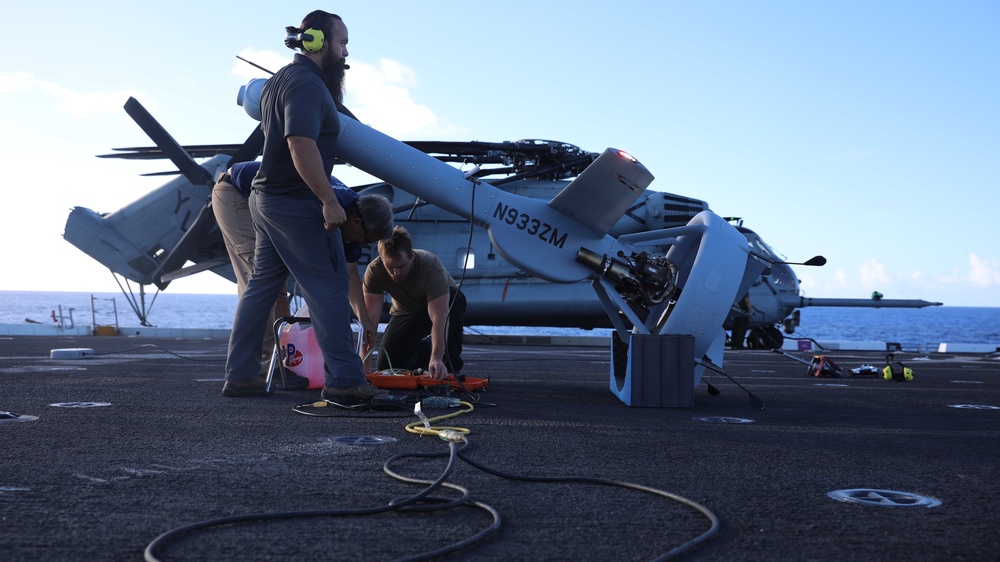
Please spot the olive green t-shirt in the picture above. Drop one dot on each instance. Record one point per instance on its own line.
(427, 280)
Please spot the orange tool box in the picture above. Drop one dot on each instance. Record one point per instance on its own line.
(406, 380)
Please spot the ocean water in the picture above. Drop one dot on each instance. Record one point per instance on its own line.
(167, 310)
(913, 328)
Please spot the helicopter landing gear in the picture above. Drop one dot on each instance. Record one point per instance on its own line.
(766, 338)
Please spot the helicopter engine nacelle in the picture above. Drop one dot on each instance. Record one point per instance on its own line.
(644, 280)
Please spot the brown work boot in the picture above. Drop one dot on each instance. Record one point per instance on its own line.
(241, 389)
(352, 396)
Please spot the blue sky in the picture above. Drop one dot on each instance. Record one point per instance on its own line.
(865, 131)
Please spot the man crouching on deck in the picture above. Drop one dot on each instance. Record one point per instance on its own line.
(426, 304)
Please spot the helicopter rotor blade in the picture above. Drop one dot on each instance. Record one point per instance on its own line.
(173, 150)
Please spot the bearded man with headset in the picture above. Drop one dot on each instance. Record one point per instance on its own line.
(297, 217)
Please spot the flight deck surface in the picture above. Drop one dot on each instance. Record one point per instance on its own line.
(106, 453)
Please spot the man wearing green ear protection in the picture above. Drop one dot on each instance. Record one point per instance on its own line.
(297, 217)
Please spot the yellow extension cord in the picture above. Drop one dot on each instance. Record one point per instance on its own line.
(424, 426)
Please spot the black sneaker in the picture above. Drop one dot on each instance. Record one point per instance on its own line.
(241, 389)
(361, 394)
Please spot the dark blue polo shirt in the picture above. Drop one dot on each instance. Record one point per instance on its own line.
(243, 174)
(295, 101)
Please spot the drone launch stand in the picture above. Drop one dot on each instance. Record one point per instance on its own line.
(653, 371)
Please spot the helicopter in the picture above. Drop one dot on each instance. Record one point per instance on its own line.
(171, 233)
(654, 300)
(666, 271)
(777, 298)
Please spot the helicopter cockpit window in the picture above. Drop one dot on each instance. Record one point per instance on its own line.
(782, 275)
(758, 245)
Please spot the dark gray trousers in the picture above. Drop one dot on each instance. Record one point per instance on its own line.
(291, 240)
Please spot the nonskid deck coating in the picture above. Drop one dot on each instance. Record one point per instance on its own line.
(166, 450)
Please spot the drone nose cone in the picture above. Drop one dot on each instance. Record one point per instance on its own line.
(249, 97)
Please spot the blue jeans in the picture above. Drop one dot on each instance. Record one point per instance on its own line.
(291, 240)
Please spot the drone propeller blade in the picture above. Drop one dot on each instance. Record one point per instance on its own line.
(191, 170)
(712, 391)
(755, 402)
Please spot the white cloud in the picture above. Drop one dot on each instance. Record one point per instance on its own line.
(79, 104)
(393, 71)
(816, 283)
(983, 273)
(873, 273)
(16, 82)
(380, 97)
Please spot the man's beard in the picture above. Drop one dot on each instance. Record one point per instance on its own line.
(333, 75)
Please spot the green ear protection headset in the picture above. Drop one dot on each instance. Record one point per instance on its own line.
(311, 39)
